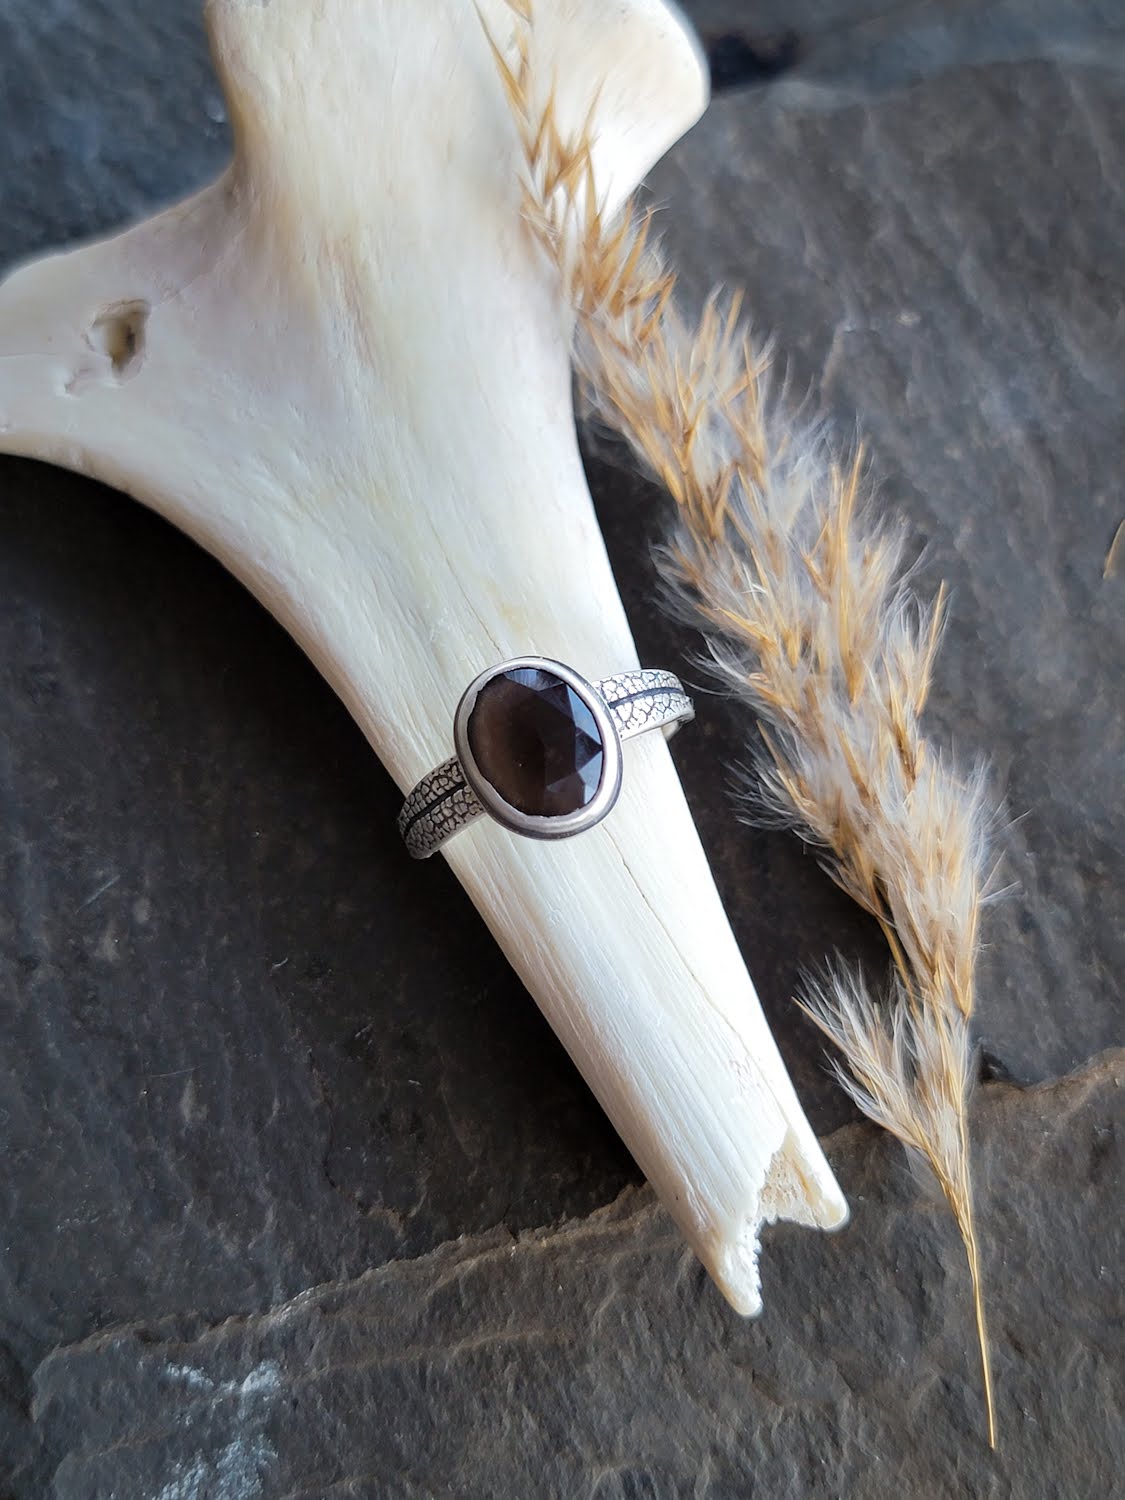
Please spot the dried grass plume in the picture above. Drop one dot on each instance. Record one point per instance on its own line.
(812, 621)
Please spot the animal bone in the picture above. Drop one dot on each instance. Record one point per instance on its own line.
(343, 368)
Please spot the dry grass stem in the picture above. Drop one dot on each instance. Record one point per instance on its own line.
(811, 620)
(1113, 556)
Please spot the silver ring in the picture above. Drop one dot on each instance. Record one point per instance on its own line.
(538, 749)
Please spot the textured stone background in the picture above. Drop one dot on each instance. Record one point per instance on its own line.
(246, 1120)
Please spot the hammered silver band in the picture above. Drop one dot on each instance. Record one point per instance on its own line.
(444, 801)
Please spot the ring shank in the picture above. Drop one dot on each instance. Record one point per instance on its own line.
(646, 698)
(443, 802)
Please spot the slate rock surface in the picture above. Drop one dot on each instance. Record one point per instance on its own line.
(937, 249)
(253, 1067)
(597, 1360)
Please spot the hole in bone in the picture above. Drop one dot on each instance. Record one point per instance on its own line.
(119, 333)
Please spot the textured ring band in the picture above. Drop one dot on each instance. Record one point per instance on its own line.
(538, 749)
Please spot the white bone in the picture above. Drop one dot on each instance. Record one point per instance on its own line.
(343, 368)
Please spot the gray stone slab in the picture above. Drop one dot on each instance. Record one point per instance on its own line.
(108, 106)
(940, 263)
(597, 1360)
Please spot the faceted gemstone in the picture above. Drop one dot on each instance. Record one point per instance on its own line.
(536, 742)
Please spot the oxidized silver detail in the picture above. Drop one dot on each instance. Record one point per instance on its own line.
(626, 704)
(646, 699)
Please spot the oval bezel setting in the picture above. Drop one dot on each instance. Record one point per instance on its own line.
(531, 825)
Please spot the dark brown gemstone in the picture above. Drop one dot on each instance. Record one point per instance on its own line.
(536, 742)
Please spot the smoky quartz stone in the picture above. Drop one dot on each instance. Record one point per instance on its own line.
(538, 749)
(536, 742)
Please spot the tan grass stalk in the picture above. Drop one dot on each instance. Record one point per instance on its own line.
(812, 621)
